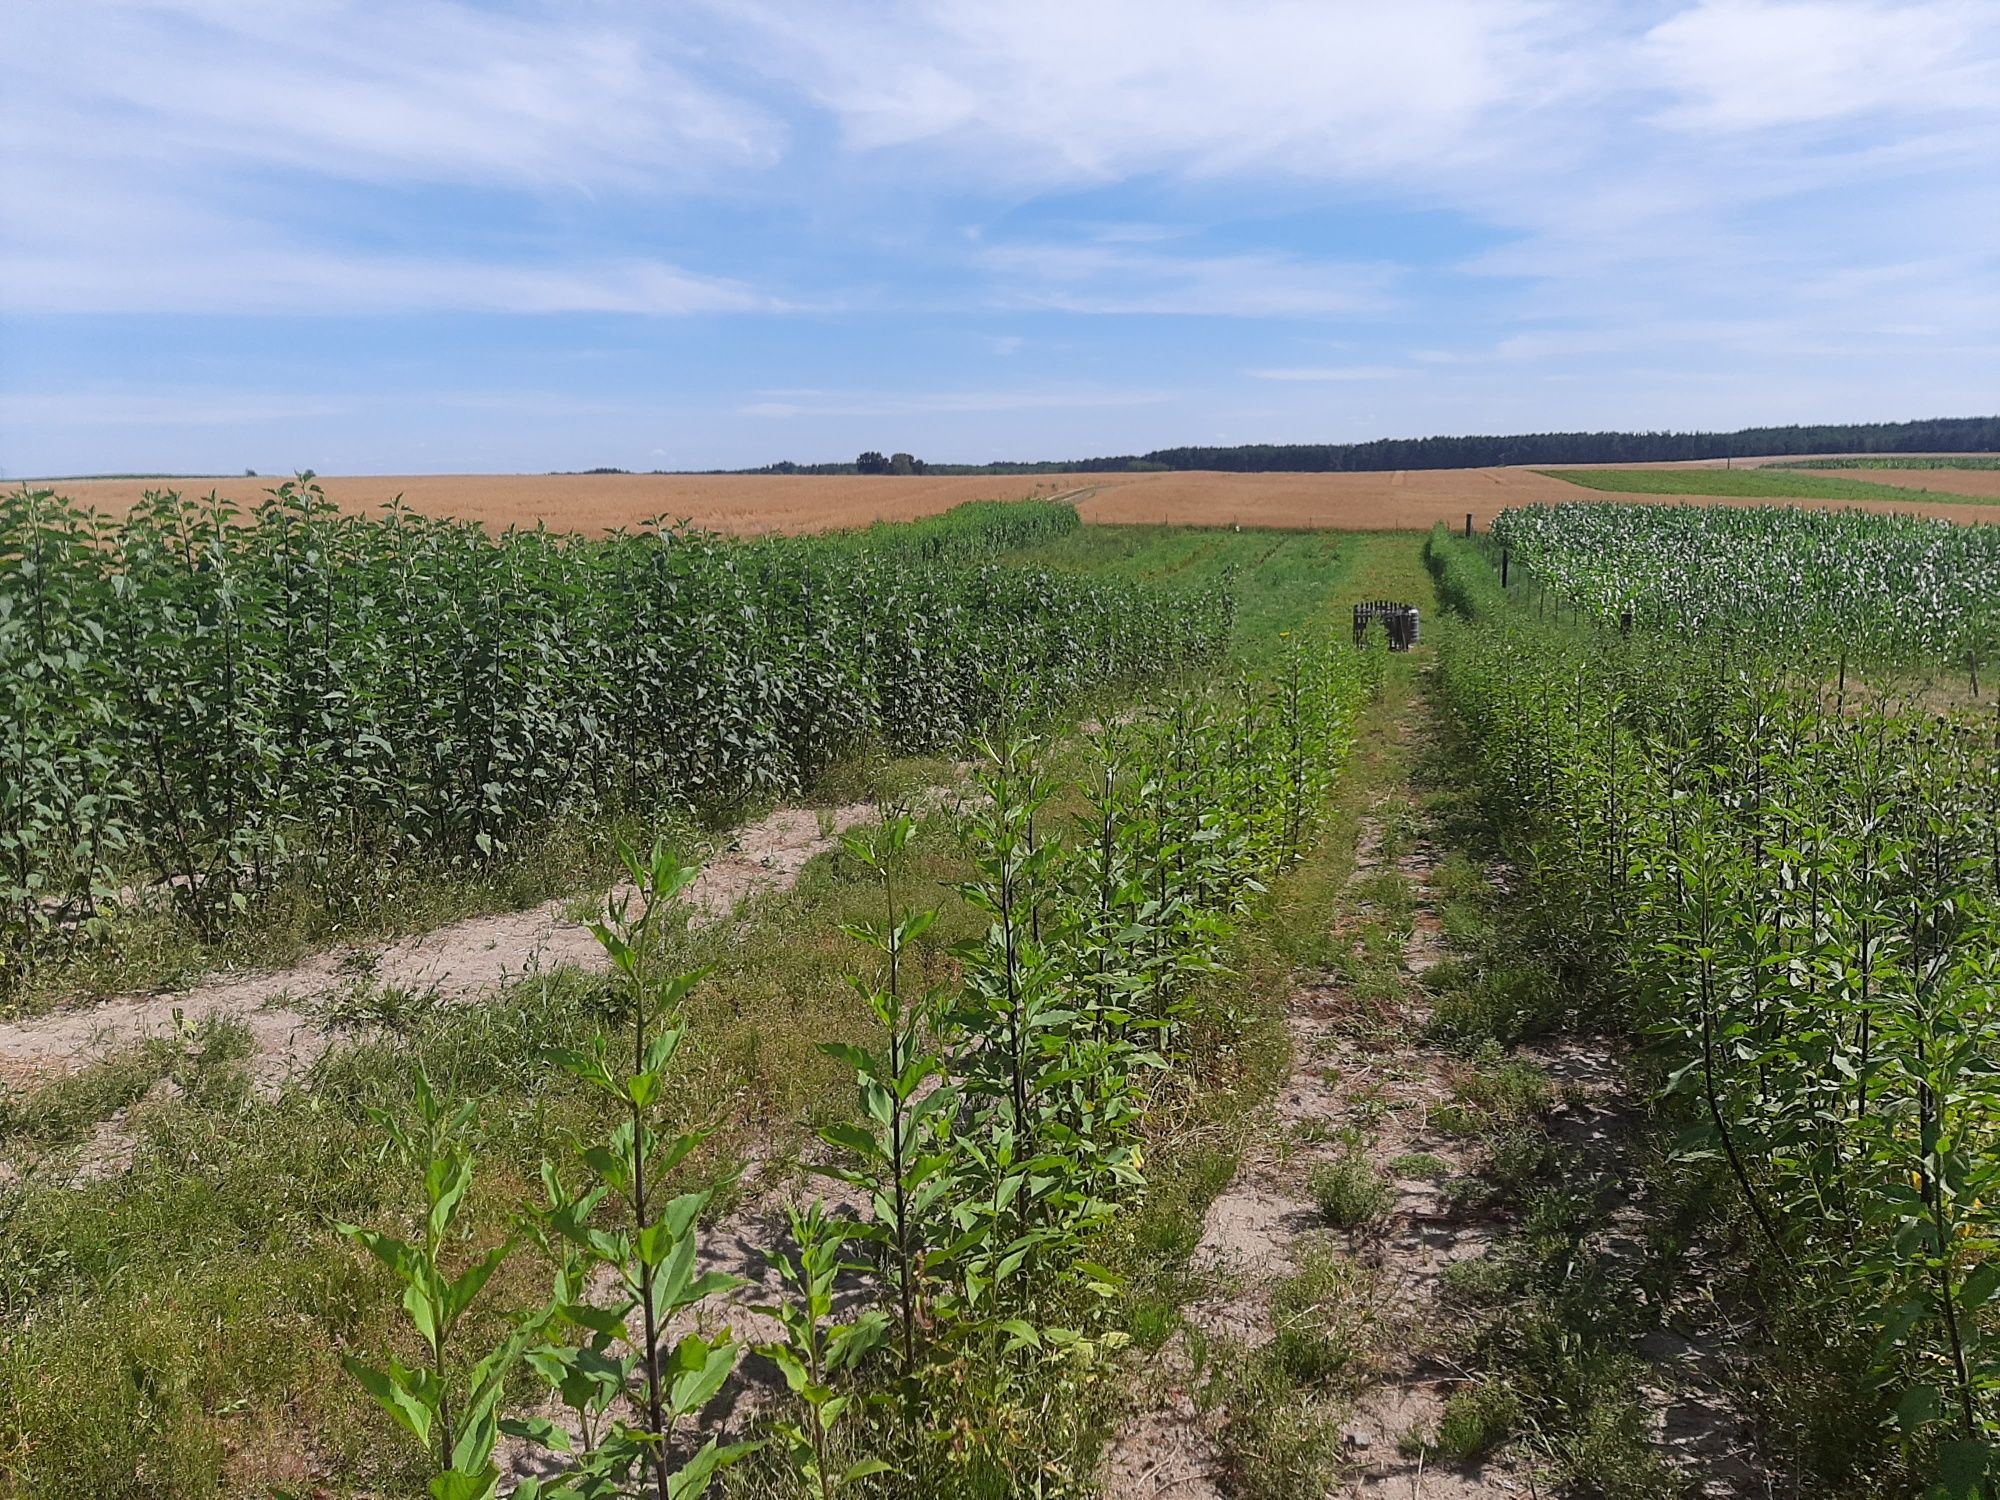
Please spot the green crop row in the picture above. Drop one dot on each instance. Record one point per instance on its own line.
(998, 1132)
(1835, 581)
(1798, 901)
(1750, 484)
(1041, 996)
(1890, 462)
(192, 699)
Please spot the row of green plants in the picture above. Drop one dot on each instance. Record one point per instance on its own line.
(1830, 582)
(1896, 462)
(936, 1335)
(195, 701)
(1796, 900)
(1766, 483)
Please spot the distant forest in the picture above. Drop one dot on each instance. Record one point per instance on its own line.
(1937, 435)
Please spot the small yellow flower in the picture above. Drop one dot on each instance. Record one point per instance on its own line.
(1917, 1181)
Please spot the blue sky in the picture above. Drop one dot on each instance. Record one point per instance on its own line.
(411, 237)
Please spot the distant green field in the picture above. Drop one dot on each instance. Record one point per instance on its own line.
(1284, 580)
(1892, 461)
(1751, 484)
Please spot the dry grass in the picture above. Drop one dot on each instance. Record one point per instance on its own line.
(1414, 499)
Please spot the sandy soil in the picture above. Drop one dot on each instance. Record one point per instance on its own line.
(287, 1012)
(1366, 1067)
(1414, 499)
(1255, 1228)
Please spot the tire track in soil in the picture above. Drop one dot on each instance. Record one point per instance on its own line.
(1361, 1063)
(1354, 1063)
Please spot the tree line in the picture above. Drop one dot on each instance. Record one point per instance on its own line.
(1933, 435)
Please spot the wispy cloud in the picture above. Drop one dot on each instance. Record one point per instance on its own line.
(1331, 373)
(1097, 278)
(1054, 90)
(204, 156)
(239, 277)
(1743, 65)
(428, 91)
(871, 404)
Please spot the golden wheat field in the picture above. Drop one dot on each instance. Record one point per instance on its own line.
(746, 504)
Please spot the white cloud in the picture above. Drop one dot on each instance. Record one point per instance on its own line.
(1098, 278)
(422, 91)
(1742, 65)
(1055, 90)
(204, 156)
(1522, 189)
(241, 275)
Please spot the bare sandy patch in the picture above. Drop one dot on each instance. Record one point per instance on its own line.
(1363, 1069)
(285, 1012)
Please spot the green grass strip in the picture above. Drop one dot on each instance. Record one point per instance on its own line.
(1754, 484)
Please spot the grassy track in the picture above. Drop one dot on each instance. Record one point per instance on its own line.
(1753, 484)
(1284, 580)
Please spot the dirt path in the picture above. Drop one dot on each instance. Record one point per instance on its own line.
(1387, 1086)
(286, 1012)
(1361, 1092)
(1368, 1097)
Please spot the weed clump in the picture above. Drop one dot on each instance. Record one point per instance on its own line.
(1349, 1192)
(1508, 1093)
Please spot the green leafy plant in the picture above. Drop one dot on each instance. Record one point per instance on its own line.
(454, 1418)
(816, 1351)
(1348, 1192)
(651, 1246)
(900, 1153)
(200, 708)
(1782, 870)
